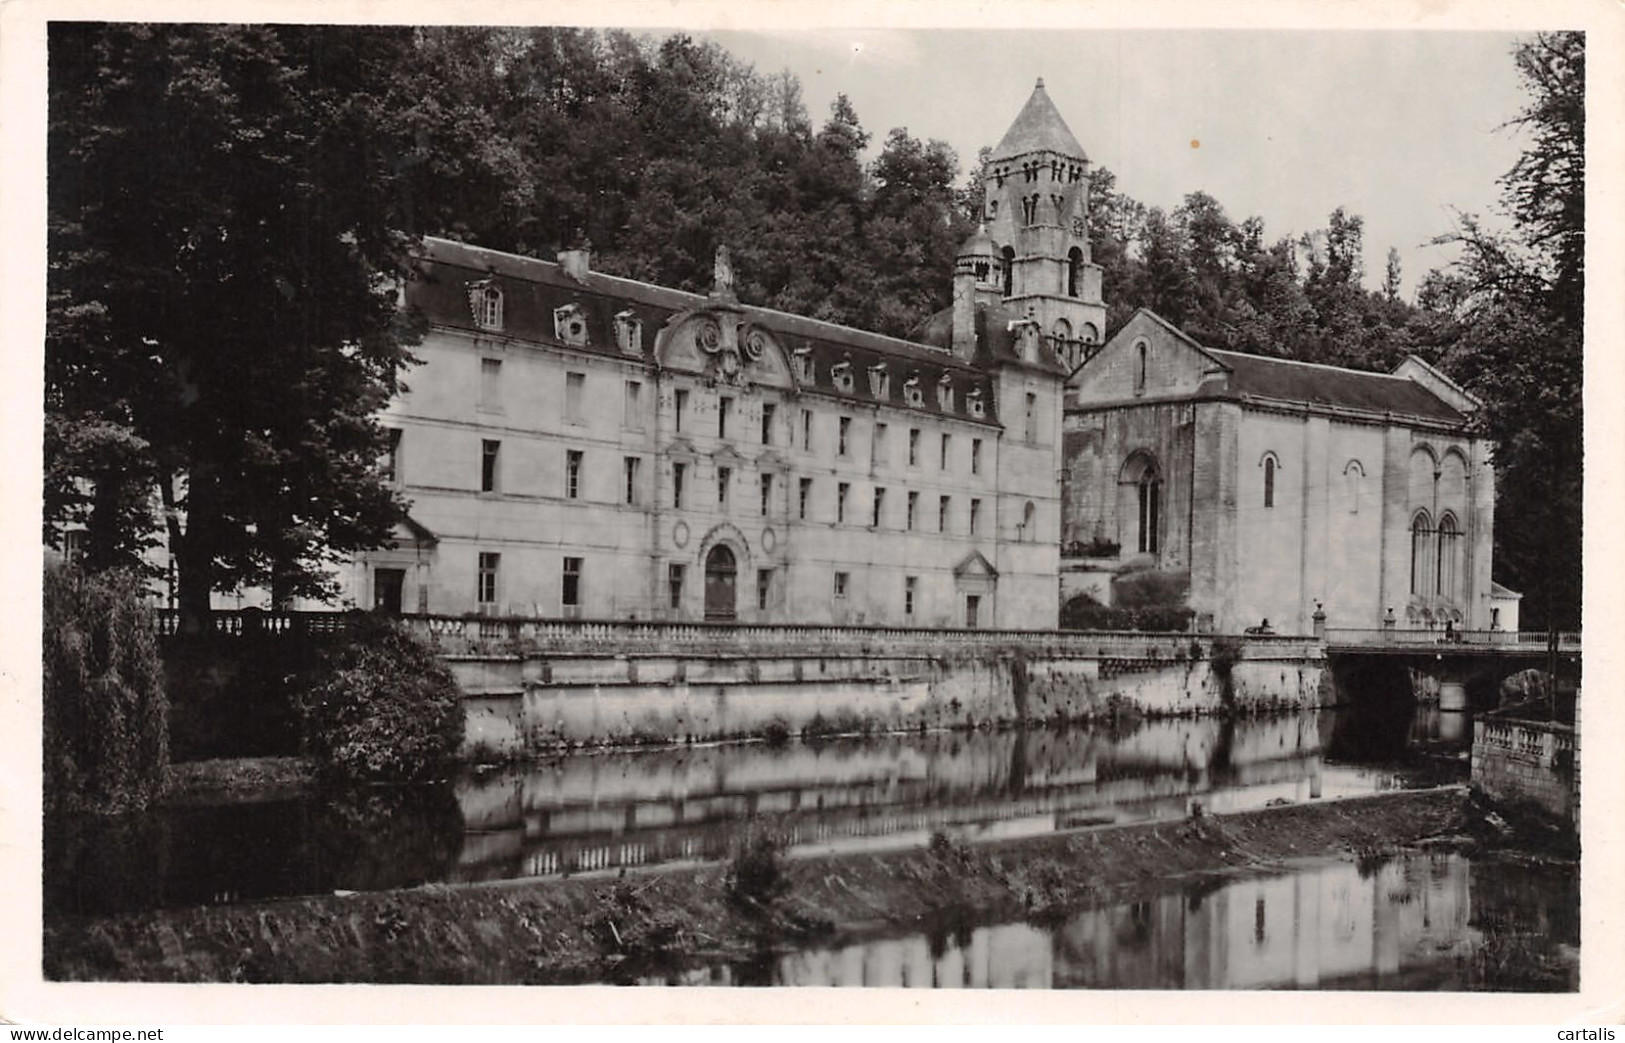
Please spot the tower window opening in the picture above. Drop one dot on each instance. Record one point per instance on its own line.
(1074, 271)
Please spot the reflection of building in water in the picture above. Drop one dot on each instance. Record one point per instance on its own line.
(1010, 956)
(577, 813)
(1334, 926)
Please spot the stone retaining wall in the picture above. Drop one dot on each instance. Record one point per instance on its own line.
(540, 698)
(1533, 762)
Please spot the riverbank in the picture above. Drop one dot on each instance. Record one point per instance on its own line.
(238, 780)
(613, 928)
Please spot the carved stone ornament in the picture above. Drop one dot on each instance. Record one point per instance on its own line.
(719, 340)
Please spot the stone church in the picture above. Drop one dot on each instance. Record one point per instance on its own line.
(1271, 489)
(578, 445)
(1259, 489)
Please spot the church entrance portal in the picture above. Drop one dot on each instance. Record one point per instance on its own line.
(720, 597)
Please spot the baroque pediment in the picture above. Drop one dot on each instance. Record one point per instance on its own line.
(724, 346)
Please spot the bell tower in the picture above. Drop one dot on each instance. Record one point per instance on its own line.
(1037, 191)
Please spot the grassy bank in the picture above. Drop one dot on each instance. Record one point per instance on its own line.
(587, 929)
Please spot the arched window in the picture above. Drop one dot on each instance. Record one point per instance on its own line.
(1029, 518)
(1150, 512)
(1061, 341)
(1352, 475)
(1074, 271)
(1139, 504)
(1009, 256)
(1141, 351)
(1422, 575)
(1270, 465)
(1449, 547)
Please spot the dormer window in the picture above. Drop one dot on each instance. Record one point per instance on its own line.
(570, 325)
(485, 301)
(879, 381)
(911, 391)
(974, 400)
(629, 332)
(841, 374)
(804, 364)
(945, 393)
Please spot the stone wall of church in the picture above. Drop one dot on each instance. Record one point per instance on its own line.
(1321, 539)
(1214, 550)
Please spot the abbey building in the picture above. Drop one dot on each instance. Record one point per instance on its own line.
(580, 445)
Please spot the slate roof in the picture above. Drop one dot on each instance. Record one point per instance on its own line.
(995, 341)
(1038, 127)
(1331, 385)
(533, 288)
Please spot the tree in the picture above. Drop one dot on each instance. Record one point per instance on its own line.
(913, 230)
(1391, 276)
(1519, 299)
(1545, 189)
(241, 281)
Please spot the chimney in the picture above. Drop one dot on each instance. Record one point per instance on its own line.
(576, 261)
(965, 311)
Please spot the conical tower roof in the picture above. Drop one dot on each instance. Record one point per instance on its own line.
(1039, 127)
(978, 243)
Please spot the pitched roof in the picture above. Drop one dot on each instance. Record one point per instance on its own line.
(995, 338)
(1331, 385)
(532, 288)
(1038, 127)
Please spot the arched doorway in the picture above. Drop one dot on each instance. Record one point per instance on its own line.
(721, 600)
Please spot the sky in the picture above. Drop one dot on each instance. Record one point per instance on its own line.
(1400, 127)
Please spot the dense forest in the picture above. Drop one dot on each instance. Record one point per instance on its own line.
(299, 163)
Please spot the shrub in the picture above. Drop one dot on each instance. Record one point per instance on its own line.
(756, 878)
(1083, 612)
(106, 718)
(1098, 547)
(1151, 588)
(382, 707)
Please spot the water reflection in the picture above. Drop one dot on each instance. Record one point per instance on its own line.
(1415, 922)
(600, 811)
(361, 839)
(587, 812)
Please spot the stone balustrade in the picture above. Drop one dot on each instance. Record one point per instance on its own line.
(531, 636)
(1504, 640)
(1528, 761)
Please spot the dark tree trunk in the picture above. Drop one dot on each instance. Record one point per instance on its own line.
(194, 555)
(102, 526)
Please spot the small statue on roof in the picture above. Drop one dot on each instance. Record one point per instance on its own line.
(722, 274)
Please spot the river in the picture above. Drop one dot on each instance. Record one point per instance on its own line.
(601, 811)
(1431, 921)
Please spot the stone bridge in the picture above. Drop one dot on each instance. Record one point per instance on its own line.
(1466, 667)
